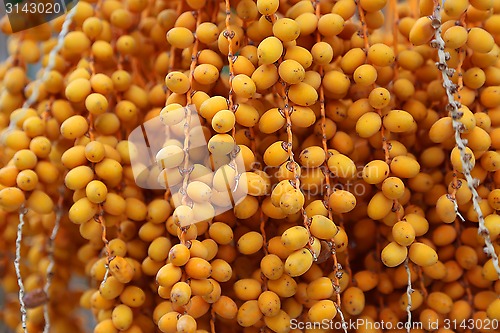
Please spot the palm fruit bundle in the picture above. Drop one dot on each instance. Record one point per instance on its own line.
(252, 166)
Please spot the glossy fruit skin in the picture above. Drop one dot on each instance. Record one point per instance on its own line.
(394, 254)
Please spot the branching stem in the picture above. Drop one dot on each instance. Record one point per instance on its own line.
(17, 267)
(453, 107)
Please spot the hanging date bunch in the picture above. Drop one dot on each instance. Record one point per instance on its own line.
(213, 166)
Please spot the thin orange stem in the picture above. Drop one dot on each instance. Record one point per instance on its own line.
(395, 33)
(262, 227)
(188, 111)
(137, 72)
(421, 280)
(283, 93)
(325, 165)
(212, 321)
(100, 212)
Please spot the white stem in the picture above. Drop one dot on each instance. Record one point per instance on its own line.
(461, 143)
(32, 99)
(342, 318)
(409, 291)
(17, 266)
(50, 267)
(339, 311)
